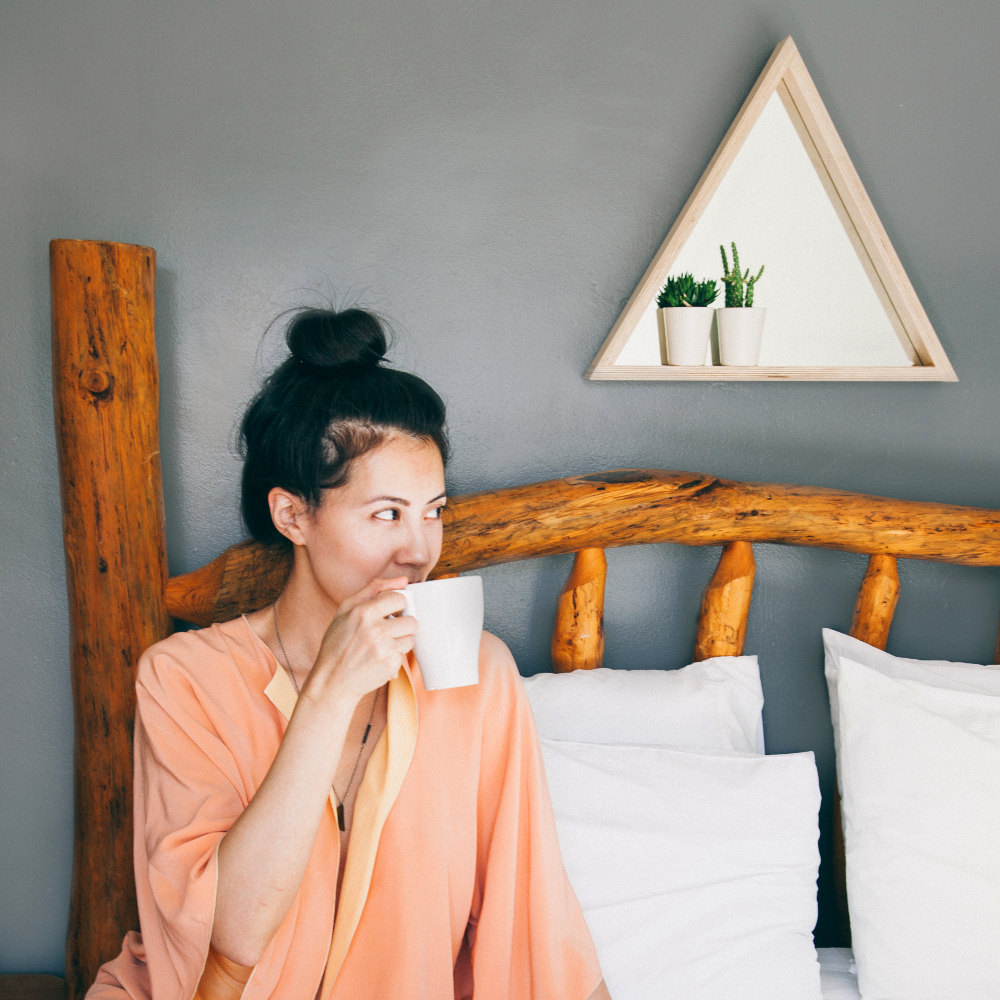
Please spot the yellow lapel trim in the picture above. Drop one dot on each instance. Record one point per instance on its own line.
(384, 774)
(383, 779)
(281, 692)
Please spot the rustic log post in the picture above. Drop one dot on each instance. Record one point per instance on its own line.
(105, 389)
(578, 636)
(725, 606)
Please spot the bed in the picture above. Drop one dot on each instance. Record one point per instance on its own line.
(733, 867)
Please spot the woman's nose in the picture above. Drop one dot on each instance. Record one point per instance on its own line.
(415, 549)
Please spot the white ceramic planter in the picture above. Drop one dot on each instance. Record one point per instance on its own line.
(687, 331)
(740, 331)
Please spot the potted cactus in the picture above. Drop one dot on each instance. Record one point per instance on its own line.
(741, 323)
(686, 319)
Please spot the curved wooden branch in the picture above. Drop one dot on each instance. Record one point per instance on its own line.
(639, 506)
(245, 577)
(635, 507)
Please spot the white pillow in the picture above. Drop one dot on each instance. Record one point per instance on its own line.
(696, 871)
(937, 673)
(715, 704)
(920, 772)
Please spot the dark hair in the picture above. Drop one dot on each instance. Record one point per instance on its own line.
(327, 404)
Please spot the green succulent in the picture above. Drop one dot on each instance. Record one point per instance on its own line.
(705, 293)
(739, 285)
(683, 290)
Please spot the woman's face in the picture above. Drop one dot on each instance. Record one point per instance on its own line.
(384, 522)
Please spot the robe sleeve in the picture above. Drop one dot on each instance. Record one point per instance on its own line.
(529, 940)
(189, 791)
(207, 729)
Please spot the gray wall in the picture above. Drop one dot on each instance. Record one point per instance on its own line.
(495, 177)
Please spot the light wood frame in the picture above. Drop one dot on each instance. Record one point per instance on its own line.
(786, 75)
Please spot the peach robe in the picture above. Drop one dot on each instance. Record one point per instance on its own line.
(453, 875)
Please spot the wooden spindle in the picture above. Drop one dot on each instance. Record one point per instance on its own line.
(578, 636)
(105, 388)
(725, 606)
(876, 602)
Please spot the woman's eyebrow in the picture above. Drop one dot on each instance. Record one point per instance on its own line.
(406, 503)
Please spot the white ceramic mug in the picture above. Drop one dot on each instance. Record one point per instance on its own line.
(449, 617)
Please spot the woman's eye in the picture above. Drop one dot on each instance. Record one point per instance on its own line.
(437, 513)
(388, 515)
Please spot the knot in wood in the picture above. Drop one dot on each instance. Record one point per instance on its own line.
(96, 381)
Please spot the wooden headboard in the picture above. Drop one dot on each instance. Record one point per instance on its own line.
(121, 600)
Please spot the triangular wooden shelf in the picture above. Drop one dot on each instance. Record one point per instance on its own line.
(922, 358)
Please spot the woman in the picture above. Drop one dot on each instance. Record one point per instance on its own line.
(310, 821)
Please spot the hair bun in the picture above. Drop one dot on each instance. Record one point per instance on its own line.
(323, 338)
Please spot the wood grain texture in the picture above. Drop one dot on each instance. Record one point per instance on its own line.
(105, 388)
(247, 576)
(725, 606)
(578, 635)
(640, 506)
(876, 601)
(633, 507)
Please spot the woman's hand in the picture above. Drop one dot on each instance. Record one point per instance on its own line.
(364, 646)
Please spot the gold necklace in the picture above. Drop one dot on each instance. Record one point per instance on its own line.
(364, 739)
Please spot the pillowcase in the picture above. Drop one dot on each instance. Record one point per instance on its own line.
(715, 704)
(919, 768)
(696, 871)
(937, 673)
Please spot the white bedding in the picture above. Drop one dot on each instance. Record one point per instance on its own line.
(837, 977)
(716, 706)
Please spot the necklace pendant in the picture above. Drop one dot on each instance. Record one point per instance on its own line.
(340, 816)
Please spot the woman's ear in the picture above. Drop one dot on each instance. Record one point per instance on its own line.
(287, 511)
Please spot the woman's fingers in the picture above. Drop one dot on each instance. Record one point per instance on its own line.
(366, 642)
(373, 592)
